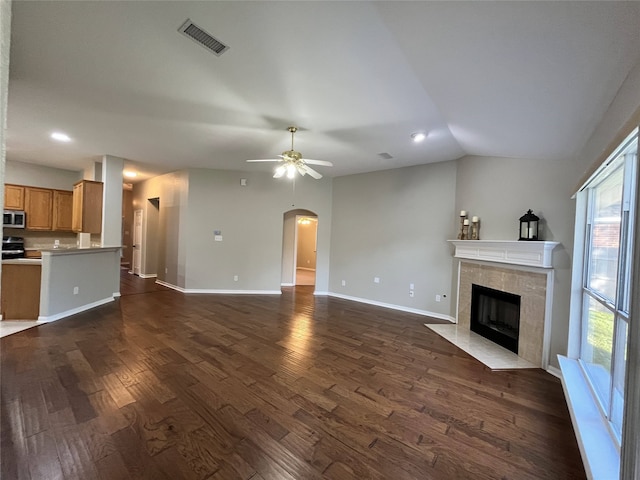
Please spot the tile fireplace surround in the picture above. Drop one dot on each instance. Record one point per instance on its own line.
(521, 268)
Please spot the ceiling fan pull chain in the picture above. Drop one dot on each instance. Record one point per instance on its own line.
(293, 195)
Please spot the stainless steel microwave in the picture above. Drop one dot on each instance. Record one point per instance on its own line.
(14, 219)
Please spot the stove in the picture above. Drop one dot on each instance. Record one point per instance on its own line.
(12, 247)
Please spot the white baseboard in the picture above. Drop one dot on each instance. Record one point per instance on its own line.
(287, 284)
(554, 371)
(73, 311)
(218, 291)
(148, 275)
(402, 308)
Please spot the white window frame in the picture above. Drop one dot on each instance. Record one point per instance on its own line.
(600, 449)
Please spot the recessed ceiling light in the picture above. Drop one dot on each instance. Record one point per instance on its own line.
(418, 136)
(60, 137)
(130, 174)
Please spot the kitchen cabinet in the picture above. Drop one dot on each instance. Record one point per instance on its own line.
(87, 207)
(38, 206)
(13, 197)
(62, 211)
(20, 291)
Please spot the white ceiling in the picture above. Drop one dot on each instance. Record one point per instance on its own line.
(514, 79)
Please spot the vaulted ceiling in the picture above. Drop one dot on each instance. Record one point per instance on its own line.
(513, 79)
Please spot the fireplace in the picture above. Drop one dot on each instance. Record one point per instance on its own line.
(496, 316)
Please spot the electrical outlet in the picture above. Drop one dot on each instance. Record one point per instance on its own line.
(344, 283)
(376, 279)
(411, 286)
(411, 293)
(438, 298)
(235, 278)
(76, 290)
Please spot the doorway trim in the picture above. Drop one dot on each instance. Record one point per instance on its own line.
(138, 244)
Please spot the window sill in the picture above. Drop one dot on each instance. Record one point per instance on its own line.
(599, 451)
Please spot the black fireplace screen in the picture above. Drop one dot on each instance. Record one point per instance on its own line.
(496, 315)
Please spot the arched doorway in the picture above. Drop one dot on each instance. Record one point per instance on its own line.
(299, 248)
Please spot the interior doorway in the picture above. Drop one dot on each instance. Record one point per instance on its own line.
(306, 249)
(299, 248)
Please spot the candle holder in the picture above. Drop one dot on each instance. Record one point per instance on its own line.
(462, 234)
(475, 230)
(465, 230)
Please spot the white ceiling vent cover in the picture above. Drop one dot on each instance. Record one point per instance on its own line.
(198, 35)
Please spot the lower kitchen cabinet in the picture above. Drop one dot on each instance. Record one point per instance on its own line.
(20, 291)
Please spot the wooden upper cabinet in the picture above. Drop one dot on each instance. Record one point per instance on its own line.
(62, 211)
(38, 206)
(87, 207)
(13, 197)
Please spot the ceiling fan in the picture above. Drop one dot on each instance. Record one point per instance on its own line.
(293, 162)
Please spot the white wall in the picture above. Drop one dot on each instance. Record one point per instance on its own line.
(5, 47)
(306, 254)
(40, 176)
(623, 112)
(250, 219)
(170, 236)
(394, 224)
(112, 201)
(5, 43)
(500, 191)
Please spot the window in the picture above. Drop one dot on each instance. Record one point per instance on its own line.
(607, 278)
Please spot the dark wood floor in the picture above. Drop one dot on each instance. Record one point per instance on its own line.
(162, 385)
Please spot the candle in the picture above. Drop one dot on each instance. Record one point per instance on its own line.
(466, 221)
(474, 219)
(463, 213)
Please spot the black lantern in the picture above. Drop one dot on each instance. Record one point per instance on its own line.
(529, 226)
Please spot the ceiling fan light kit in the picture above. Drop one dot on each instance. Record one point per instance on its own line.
(294, 162)
(418, 136)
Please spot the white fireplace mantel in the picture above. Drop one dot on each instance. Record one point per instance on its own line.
(526, 253)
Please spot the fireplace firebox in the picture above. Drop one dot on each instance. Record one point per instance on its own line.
(496, 316)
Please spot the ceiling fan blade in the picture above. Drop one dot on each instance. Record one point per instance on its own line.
(301, 170)
(317, 162)
(266, 160)
(311, 172)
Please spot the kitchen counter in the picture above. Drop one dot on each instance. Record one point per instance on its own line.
(77, 251)
(22, 261)
(65, 281)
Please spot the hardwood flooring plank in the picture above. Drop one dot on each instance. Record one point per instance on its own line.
(43, 457)
(112, 467)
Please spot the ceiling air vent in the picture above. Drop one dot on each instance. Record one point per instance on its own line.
(195, 33)
(385, 156)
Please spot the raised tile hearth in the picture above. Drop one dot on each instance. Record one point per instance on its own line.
(485, 351)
